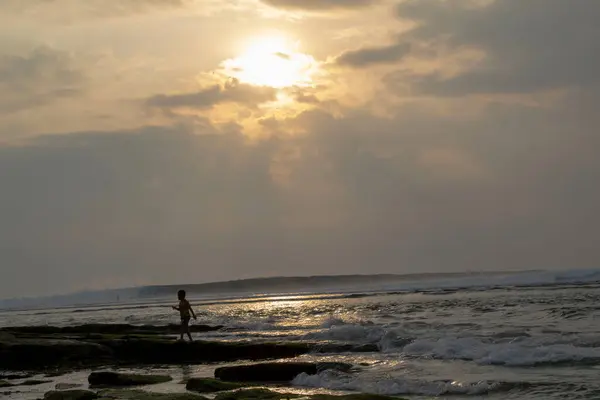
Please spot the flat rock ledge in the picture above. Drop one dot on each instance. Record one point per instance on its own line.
(115, 379)
(276, 371)
(43, 348)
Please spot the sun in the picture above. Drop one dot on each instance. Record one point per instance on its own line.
(272, 61)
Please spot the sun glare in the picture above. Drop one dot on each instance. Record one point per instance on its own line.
(273, 62)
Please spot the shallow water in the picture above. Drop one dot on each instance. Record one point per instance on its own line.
(495, 343)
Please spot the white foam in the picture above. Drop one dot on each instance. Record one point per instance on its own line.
(391, 342)
(250, 324)
(349, 333)
(523, 352)
(332, 321)
(391, 386)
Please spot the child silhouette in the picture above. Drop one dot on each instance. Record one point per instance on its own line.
(185, 309)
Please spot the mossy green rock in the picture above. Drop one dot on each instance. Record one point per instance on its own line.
(115, 379)
(210, 385)
(67, 386)
(5, 384)
(141, 395)
(265, 394)
(254, 394)
(275, 372)
(70, 395)
(357, 396)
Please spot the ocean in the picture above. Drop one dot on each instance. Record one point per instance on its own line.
(532, 335)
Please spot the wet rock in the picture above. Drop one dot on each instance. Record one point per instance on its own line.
(12, 376)
(37, 354)
(254, 394)
(29, 354)
(54, 374)
(143, 351)
(6, 337)
(265, 394)
(348, 347)
(120, 329)
(210, 385)
(66, 386)
(70, 395)
(141, 395)
(274, 372)
(34, 382)
(357, 396)
(115, 379)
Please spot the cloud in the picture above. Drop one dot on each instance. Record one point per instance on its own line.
(529, 46)
(320, 5)
(412, 192)
(38, 78)
(425, 183)
(90, 206)
(233, 92)
(72, 10)
(374, 55)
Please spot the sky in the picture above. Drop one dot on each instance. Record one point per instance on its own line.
(170, 141)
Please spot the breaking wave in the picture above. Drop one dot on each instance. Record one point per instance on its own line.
(333, 380)
(523, 353)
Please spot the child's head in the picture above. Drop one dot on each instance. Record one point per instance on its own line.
(181, 294)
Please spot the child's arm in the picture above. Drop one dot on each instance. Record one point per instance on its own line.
(175, 308)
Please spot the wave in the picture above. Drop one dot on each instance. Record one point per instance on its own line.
(515, 353)
(358, 295)
(347, 330)
(346, 333)
(508, 348)
(257, 325)
(334, 380)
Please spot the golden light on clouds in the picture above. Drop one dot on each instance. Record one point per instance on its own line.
(272, 61)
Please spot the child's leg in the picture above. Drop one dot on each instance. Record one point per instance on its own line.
(182, 329)
(185, 327)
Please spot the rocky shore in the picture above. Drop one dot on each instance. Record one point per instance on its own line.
(115, 386)
(35, 348)
(26, 352)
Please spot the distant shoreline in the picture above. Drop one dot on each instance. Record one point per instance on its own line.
(285, 283)
(256, 286)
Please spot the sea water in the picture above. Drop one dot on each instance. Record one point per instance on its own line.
(522, 336)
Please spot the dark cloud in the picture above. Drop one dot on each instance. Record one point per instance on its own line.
(96, 208)
(233, 92)
(374, 55)
(320, 5)
(529, 46)
(37, 78)
(514, 189)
